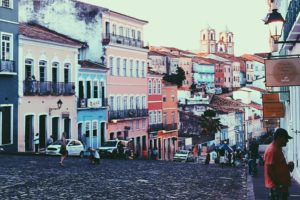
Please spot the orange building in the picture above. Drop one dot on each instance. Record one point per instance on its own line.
(168, 137)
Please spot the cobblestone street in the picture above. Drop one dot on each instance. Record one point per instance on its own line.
(41, 177)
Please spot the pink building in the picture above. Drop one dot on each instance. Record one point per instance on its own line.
(47, 73)
(126, 81)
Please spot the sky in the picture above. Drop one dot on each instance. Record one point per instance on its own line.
(177, 23)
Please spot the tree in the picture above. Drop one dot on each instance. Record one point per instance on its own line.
(176, 78)
(210, 123)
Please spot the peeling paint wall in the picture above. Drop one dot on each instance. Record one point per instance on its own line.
(74, 19)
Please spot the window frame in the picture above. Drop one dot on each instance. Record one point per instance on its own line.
(11, 45)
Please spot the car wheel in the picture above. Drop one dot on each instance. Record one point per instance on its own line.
(81, 154)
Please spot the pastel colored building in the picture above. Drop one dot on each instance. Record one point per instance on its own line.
(204, 73)
(92, 103)
(154, 107)
(126, 81)
(9, 28)
(47, 75)
(168, 137)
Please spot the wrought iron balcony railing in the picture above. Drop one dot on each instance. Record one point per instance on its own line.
(170, 127)
(155, 127)
(131, 113)
(119, 39)
(291, 17)
(7, 66)
(32, 88)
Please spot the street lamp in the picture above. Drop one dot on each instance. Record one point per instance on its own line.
(275, 22)
(59, 104)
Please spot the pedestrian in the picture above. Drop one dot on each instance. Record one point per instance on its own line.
(50, 140)
(83, 141)
(222, 157)
(207, 159)
(276, 169)
(155, 153)
(229, 158)
(36, 143)
(63, 149)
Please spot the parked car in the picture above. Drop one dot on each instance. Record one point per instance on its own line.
(74, 148)
(183, 156)
(115, 149)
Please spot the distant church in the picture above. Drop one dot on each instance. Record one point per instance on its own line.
(209, 43)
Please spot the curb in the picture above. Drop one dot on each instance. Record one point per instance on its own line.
(250, 191)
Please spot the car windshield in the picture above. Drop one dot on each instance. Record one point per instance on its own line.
(109, 144)
(182, 152)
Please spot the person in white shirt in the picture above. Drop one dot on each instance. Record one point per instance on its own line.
(36, 142)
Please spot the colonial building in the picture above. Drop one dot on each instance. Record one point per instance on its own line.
(47, 105)
(9, 29)
(126, 59)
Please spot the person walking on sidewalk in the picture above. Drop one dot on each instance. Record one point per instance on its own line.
(276, 169)
(63, 149)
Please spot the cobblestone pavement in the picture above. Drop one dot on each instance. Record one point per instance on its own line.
(41, 177)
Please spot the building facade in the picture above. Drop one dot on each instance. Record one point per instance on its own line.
(9, 43)
(92, 103)
(127, 79)
(48, 64)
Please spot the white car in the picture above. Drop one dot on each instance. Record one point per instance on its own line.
(74, 148)
(183, 156)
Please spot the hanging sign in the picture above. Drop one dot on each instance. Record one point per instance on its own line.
(282, 72)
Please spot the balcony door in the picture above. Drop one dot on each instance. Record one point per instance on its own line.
(29, 133)
(43, 130)
(55, 128)
(55, 78)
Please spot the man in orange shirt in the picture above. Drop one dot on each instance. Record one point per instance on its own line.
(276, 170)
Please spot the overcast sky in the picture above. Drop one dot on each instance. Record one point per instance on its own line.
(177, 23)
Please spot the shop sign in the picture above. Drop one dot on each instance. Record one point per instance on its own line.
(273, 110)
(94, 103)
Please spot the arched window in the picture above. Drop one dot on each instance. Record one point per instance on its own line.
(158, 87)
(118, 67)
(154, 87)
(55, 72)
(43, 70)
(203, 36)
(67, 75)
(111, 66)
(229, 39)
(28, 68)
(149, 86)
(212, 36)
(124, 67)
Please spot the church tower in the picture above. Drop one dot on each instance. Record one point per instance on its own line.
(207, 40)
(225, 43)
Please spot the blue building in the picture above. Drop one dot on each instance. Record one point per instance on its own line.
(204, 74)
(8, 75)
(92, 103)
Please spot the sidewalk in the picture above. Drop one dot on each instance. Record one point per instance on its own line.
(257, 190)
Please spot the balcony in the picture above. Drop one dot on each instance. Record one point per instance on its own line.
(170, 127)
(33, 88)
(155, 127)
(118, 39)
(91, 102)
(7, 67)
(123, 114)
(291, 17)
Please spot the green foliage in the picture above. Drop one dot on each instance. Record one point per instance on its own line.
(176, 78)
(210, 123)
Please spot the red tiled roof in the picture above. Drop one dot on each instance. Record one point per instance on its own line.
(224, 105)
(253, 57)
(91, 64)
(255, 105)
(39, 32)
(256, 88)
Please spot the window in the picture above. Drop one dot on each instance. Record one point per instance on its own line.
(6, 129)
(95, 89)
(143, 102)
(173, 98)
(131, 103)
(143, 123)
(28, 68)
(6, 46)
(118, 67)
(111, 65)
(43, 67)
(95, 129)
(114, 31)
(131, 68)
(138, 124)
(121, 30)
(165, 118)
(164, 99)
(173, 118)
(131, 125)
(149, 86)
(154, 87)
(67, 73)
(88, 89)
(139, 35)
(6, 3)
(124, 67)
(118, 103)
(125, 103)
(133, 33)
(137, 68)
(158, 87)
(87, 129)
(143, 69)
(158, 116)
(138, 106)
(111, 103)
(154, 117)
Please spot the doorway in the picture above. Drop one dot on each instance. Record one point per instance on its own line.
(43, 130)
(29, 133)
(67, 123)
(55, 128)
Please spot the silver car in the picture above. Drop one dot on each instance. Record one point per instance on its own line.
(183, 156)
